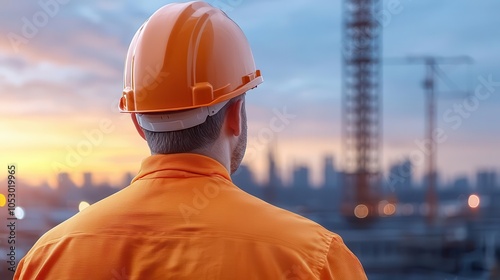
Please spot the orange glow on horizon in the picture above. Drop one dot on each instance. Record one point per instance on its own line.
(42, 147)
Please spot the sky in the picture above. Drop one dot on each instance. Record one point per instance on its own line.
(61, 68)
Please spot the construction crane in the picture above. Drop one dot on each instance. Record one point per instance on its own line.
(433, 72)
(361, 87)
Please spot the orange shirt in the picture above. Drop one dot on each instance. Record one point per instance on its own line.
(183, 218)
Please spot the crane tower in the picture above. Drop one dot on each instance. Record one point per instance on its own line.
(361, 88)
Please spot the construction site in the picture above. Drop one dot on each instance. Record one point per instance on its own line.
(437, 243)
(409, 182)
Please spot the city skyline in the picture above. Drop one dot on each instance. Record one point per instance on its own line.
(400, 175)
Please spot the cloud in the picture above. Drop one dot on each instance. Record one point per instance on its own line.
(14, 62)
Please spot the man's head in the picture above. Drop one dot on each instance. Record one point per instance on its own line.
(229, 125)
(186, 73)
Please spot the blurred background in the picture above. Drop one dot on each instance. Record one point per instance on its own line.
(379, 119)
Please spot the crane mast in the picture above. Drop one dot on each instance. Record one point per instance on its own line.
(361, 88)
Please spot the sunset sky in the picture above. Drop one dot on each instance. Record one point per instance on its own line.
(61, 65)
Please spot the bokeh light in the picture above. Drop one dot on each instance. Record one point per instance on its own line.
(83, 205)
(381, 206)
(361, 211)
(3, 200)
(19, 213)
(389, 209)
(474, 201)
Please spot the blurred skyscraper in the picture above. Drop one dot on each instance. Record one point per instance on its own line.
(243, 178)
(87, 180)
(401, 175)
(486, 181)
(301, 177)
(461, 185)
(274, 181)
(127, 179)
(330, 176)
(64, 182)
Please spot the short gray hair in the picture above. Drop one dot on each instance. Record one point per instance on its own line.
(190, 139)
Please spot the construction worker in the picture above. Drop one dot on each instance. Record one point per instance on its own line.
(186, 74)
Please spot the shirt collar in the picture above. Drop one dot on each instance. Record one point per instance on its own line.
(180, 165)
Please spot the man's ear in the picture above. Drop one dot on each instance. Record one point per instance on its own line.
(233, 119)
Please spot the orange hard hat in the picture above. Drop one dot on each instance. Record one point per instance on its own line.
(184, 63)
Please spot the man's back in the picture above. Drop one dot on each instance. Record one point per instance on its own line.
(182, 218)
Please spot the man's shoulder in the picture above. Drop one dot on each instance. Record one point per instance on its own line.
(279, 216)
(253, 215)
(86, 222)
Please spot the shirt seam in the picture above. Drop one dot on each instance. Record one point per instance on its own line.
(328, 238)
(267, 240)
(152, 175)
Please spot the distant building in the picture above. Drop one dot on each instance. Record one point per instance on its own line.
(486, 181)
(330, 177)
(461, 185)
(401, 175)
(87, 180)
(301, 177)
(127, 179)
(64, 182)
(274, 181)
(243, 177)
(67, 190)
